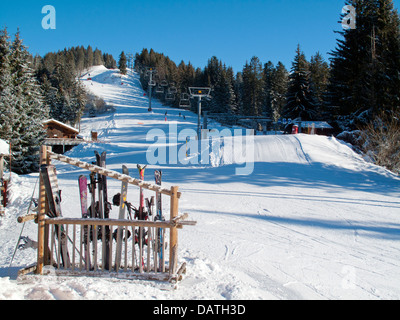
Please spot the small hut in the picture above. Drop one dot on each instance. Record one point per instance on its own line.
(317, 127)
(58, 130)
(61, 136)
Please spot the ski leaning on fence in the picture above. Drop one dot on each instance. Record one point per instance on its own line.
(83, 194)
(142, 216)
(104, 207)
(159, 217)
(48, 174)
(122, 207)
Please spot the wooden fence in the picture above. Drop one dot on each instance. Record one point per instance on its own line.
(88, 240)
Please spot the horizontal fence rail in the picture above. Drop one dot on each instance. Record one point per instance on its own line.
(111, 174)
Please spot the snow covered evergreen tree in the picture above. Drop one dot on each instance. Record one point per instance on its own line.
(30, 111)
(300, 97)
(253, 88)
(267, 90)
(319, 76)
(366, 63)
(279, 88)
(122, 63)
(7, 99)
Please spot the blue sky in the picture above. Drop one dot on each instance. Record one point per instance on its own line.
(190, 30)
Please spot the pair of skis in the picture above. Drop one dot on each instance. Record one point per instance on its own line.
(159, 217)
(98, 210)
(141, 215)
(101, 209)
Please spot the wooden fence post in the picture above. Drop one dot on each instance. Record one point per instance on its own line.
(173, 237)
(41, 214)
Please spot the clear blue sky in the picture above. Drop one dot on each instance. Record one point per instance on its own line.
(189, 30)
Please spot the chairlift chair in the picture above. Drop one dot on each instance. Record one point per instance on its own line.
(159, 89)
(185, 104)
(173, 90)
(164, 83)
(170, 96)
(184, 97)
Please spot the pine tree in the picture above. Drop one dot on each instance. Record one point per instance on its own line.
(28, 132)
(366, 62)
(300, 97)
(231, 95)
(122, 63)
(268, 77)
(279, 88)
(97, 58)
(80, 60)
(253, 88)
(319, 76)
(7, 99)
(89, 57)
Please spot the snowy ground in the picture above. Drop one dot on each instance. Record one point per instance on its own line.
(313, 221)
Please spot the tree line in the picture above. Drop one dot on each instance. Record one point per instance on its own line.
(57, 72)
(360, 80)
(22, 105)
(259, 89)
(33, 89)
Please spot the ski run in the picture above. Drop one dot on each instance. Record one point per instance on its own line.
(314, 220)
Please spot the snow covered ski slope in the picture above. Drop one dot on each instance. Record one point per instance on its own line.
(312, 221)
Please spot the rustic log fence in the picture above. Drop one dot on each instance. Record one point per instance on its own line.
(140, 257)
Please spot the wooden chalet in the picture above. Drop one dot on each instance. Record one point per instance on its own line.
(61, 136)
(58, 130)
(316, 127)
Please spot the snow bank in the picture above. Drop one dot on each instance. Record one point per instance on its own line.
(4, 147)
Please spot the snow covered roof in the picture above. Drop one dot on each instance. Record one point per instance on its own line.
(4, 148)
(61, 124)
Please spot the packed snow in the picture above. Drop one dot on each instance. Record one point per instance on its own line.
(313, 220)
